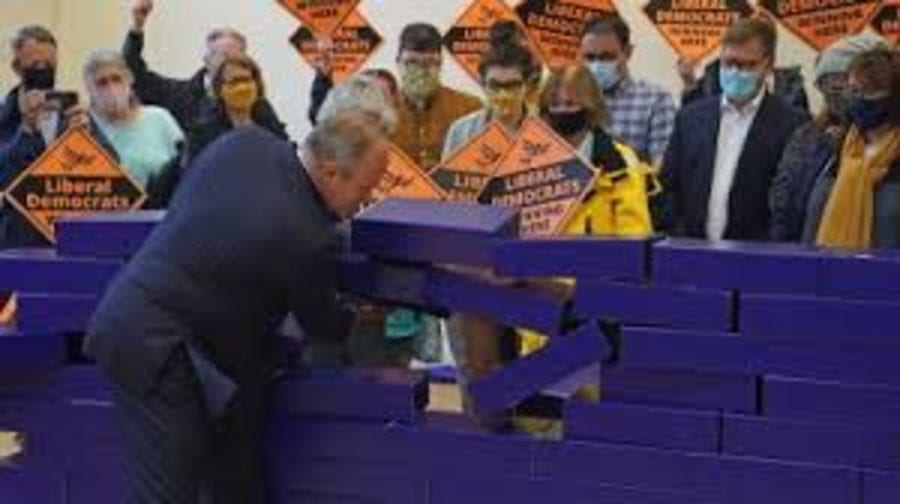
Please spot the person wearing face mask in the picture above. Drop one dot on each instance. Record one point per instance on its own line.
(147, 138)
(185, 99)
(724, 151)
(814, 146)
(239, 93)
(855, 203)
(642, 114)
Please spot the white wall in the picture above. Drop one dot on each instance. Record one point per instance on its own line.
(176, 31)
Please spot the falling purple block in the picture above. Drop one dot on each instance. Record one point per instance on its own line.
(832, 443)
(510, 305)
(388, 283)
(675, 429)
(747, 267)
(881, 488)
(590, 257)
(391, 395)
(54, 313)
(689, 351)
(432, 231)
(524, 377)
(752, 481)
(819, 400)
(115, 235)
(817, 321)
(675, 307)
(681, 389)
(44, 271)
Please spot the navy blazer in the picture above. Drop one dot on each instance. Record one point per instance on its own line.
(689, 163)
(245, 241)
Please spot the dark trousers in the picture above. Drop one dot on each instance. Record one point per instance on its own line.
(179, 455)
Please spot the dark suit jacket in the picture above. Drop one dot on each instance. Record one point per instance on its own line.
(687, 169)
(246, 240)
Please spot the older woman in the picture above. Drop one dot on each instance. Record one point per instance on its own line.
(859, 199)
(146, 138)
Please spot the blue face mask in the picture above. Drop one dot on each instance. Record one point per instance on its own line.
(606, 73)
(869, 114)
(738, 84)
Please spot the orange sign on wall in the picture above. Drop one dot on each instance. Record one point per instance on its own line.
(543, 177)
(353, 42)
(405, 179)
(887, 21)
(321, 16)
(74, 176)
(469, 37)
(821, 23)
(694, 29)
(467, 171)
(556, 26)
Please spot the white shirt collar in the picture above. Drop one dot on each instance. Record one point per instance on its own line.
(748, 109)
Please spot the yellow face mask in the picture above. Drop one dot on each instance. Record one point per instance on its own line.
(241, 96)
(507, 103)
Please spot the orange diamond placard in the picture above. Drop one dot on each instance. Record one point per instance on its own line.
(75, 176)
(555, 26)
(469, 37)
(354, 41)
(464, 175)
(819, 23)
(543, 177)
(405, 179)
(321, 16)
(887, 21)
(694, 29)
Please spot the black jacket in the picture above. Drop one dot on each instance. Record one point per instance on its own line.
(212, 122)
(689, 164)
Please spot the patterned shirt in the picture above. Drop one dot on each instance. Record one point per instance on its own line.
(642, 116)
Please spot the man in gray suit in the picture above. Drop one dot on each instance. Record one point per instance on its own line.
(185, 332)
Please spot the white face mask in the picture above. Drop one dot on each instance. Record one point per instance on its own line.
(114, 100)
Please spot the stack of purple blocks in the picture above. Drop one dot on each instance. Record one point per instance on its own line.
(738, 373)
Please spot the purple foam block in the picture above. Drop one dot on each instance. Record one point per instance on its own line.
(680, 308)
(54, 313)
(382, 282)
(43, 271)
(818, 442)
(820, 362)
(816, 321)
(105, 235)
(22, 355)
(626, 466)
(516, 306)
(375, 443)
(396, 395)
(680, 389)
(881, 488)
(675, 429)
(818, 400)
(347, 480)
(97, 477)
(870, 276)
(589, 257)
(747, 267)
(24, 485)
(752, 481)
(528, 375)
(690, 351)
(432, 232)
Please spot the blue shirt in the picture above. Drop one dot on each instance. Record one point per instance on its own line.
(146, 144)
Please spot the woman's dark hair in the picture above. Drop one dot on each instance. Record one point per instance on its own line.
(509, 56)
(879, 70)
(241, 61)
(505, 33)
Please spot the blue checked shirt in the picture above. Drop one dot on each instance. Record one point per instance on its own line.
(642, 116)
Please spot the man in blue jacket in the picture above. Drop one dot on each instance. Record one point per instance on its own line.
(724, 151)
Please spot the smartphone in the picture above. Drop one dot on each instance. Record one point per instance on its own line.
(63, 100)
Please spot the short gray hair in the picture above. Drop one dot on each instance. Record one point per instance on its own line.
(225, 31)
(361, 92)
(344, 137)
(102, 58)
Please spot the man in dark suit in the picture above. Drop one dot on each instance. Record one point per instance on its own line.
(724, 150)
(184, 333)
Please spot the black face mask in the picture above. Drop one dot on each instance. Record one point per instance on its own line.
(42, 78)
(568, 123)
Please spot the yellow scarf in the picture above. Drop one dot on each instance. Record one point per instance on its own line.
(849, 214)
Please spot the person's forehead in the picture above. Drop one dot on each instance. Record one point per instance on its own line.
(607, 41)
(752, 47)
(233, 70)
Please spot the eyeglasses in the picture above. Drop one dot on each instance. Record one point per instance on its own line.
(107, 80)
(238, 80)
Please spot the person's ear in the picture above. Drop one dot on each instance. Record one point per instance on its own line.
(16, 67)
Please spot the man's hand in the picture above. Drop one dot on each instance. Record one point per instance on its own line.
(77, 116)
(686, 69)
(140, 12)
(31, 104)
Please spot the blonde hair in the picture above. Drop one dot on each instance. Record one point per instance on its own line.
(585, 90)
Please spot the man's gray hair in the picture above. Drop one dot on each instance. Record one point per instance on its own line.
(101, 58)
(361, 92)
(344, 137)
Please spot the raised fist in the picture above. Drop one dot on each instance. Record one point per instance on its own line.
(140, 11)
